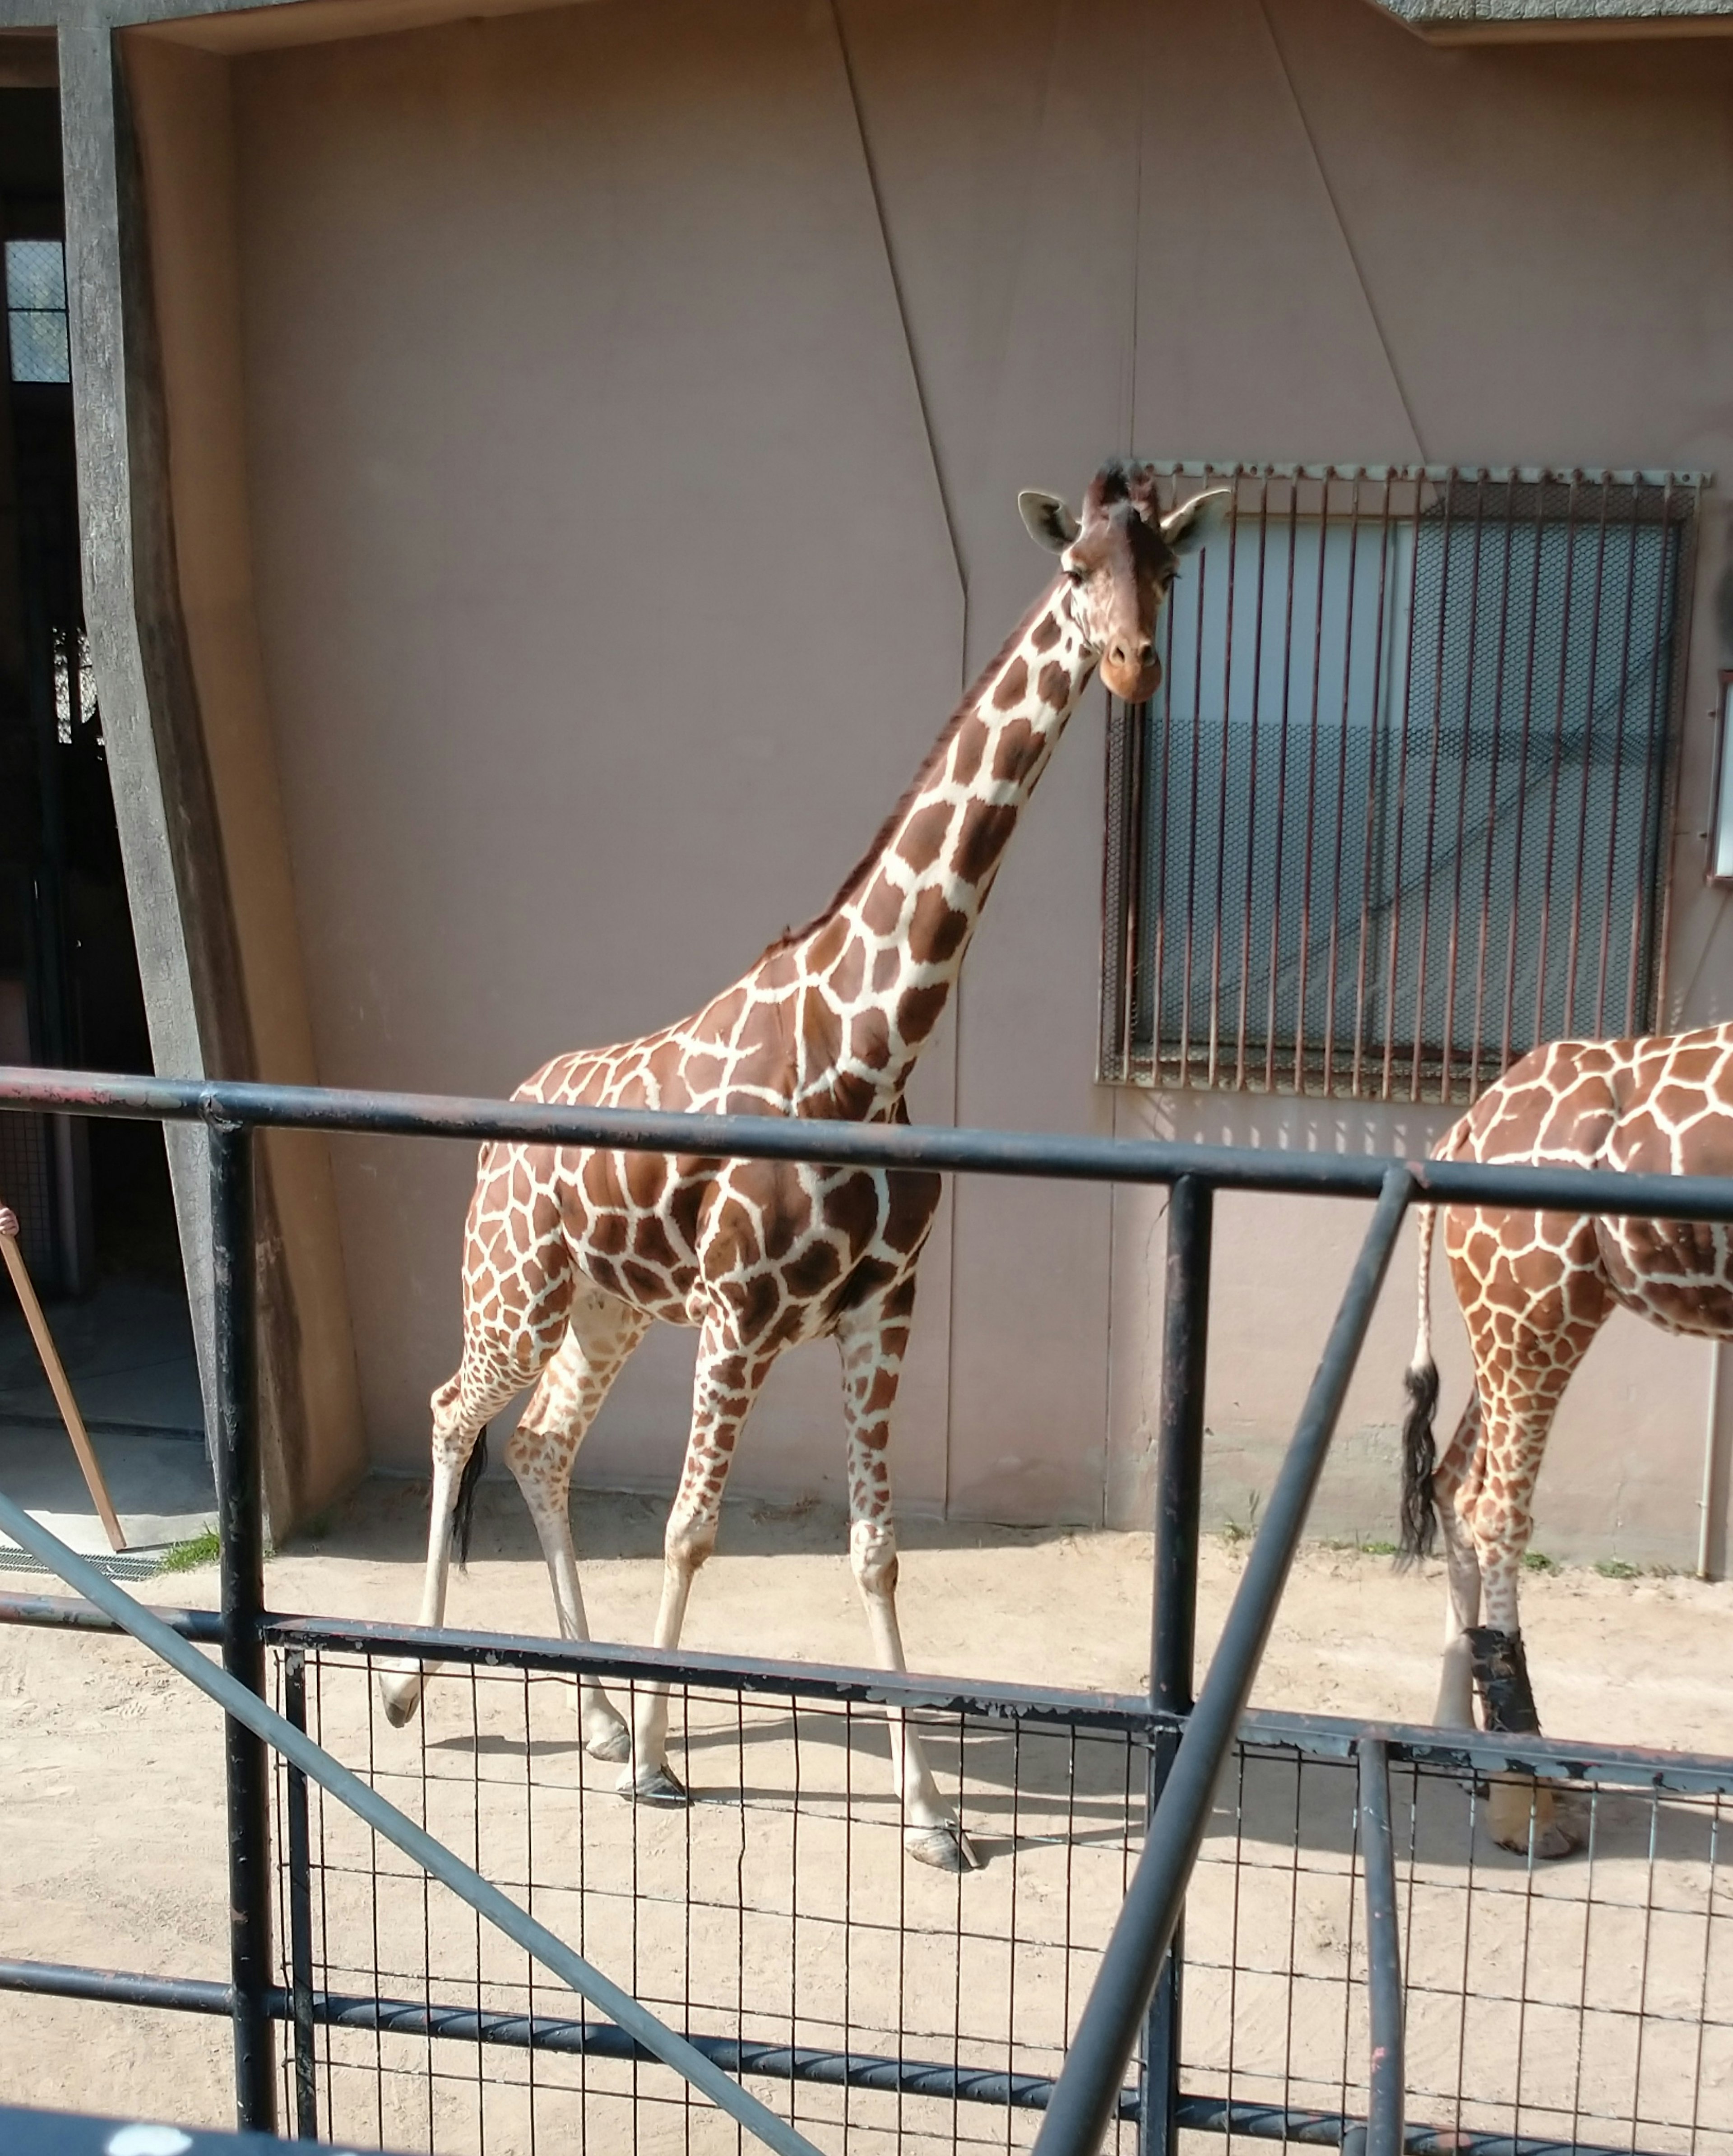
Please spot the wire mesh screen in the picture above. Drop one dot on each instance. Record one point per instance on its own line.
(1397, 812)
(777, 1921)
(1586, 2002)
(777, 1912)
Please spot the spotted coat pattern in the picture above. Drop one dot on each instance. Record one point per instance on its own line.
(570, 1255)
(1534, 1288)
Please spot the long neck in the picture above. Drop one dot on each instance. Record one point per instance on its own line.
(878, 969)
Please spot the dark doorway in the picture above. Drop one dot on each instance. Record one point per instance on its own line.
(93, 1198)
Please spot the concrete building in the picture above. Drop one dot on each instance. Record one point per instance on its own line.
(547, 472)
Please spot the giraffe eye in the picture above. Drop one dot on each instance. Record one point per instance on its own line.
(1073, 574)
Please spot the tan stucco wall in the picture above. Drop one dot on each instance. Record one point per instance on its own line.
(181, 100)
(635, 398)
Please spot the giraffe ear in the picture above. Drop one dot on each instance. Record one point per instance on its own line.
(1197, 521)
(1048, 521)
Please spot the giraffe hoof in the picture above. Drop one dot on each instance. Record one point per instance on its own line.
(399, 1705)
(611, 1741)
(946, 1848)
(1527, 1820)
(652, 1785)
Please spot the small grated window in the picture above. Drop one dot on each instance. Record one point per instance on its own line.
(1398, 810)
(36, 310)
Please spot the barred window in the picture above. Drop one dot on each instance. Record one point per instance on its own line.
(1398, 811)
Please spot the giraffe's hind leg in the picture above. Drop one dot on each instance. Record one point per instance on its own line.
(1456, 1486)
(600, 1334)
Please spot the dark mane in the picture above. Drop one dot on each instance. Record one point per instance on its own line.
(931, 763)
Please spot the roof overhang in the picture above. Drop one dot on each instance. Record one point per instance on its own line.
(1507, 22)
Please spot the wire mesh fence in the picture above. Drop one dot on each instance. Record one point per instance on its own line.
(880, 2004)
(1586, 2003)
(885, 2003)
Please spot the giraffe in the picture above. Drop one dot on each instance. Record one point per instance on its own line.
(570, 1256)
(1534, 1288)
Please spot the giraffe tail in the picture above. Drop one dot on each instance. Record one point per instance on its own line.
(1420, 1453)
(463, 1514)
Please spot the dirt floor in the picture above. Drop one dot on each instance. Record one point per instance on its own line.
(112, 1851)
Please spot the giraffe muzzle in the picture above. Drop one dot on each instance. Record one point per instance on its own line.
(1133, 673)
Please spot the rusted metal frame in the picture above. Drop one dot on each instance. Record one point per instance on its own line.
(1491, 795)
(1369, 857)
(1137, 759)
(1393, 934)
(1184, 1069)
(1305, 934)
(1431, 788)
(1618, 739)
(1336, 881)
(1461, 846)
(1212, 1068)
(1588, 758)
(1158, 867)
(1522, 776)
(1086, 2091)
(1672, 718)
(1662, 864)
(1542, 1027)
(1269, 1034)
(1263, 529)
(1117, 883)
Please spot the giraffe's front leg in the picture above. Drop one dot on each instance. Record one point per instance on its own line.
(872, 1342)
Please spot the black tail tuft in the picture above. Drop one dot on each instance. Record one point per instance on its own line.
(1420, 1460)
(462, 1516)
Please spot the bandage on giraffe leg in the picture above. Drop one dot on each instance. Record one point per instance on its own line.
(1524, 1814)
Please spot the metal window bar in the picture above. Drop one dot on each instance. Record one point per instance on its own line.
(1118, 2000)
(1399, 810)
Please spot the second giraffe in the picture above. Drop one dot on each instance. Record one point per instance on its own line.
(570, 1256)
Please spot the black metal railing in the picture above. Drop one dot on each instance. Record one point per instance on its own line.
(1131, 2010)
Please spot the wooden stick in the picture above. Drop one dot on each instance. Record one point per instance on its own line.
(69, 1415)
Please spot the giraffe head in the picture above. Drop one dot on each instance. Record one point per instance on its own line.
(1119, 560)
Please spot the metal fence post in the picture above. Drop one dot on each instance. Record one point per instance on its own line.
(300, 1903)
(241, 1528)
(1185, 1327)
(1384, 1953)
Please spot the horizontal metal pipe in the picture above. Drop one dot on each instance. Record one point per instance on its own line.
(67, 1613)
(115, 1987)
(951, 2084)
(76, 2133)
(1317, 1736)
(1201, 2113)
(1095, 2066)
(866, 1145)
(1327, 2129)
(523, 2032)
(628, 1664)
(432, 1856)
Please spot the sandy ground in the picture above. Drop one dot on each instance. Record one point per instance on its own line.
(111, 1845)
